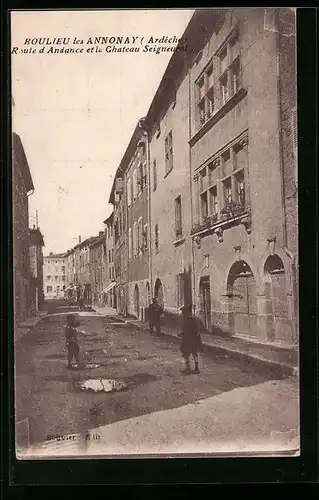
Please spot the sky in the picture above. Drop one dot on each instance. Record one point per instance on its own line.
(75, 113)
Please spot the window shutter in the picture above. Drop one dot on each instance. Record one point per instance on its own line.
(129, 192)
(134, 184)
(130, 243)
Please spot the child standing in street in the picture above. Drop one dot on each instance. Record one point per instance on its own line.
(71, 333)
(191, 341)
(154, 317)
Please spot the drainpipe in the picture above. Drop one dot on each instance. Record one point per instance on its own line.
(148, 160)
(283, 194)
(281, 152)
(294, 294)
(190, 186)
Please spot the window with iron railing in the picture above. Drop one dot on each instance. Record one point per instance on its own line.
(222, 185)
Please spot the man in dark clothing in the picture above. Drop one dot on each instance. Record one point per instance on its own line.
(191, 341)
(72, 345)
(154, 314)
(81, 303)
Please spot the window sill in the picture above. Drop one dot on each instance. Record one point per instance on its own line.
(218, 115)
(179, 240)
(222, 224)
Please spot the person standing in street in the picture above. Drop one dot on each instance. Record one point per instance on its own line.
(81, 303)
(154, 317)
(71, 333)
(191, 343)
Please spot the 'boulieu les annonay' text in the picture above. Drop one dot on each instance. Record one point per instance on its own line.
(100, 40)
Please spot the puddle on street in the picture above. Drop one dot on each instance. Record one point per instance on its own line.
(99, 385)
(102, 385)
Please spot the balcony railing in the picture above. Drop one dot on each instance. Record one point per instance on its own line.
(232, 214)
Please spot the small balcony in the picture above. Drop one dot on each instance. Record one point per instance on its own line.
(232, 214)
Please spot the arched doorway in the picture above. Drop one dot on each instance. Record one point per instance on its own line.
(158, 292)
(137, 301)
(241, 291)
(205, 303)
(279, 327)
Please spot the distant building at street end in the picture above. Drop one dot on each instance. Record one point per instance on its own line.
(54, 275)
(97, 265)
(36, 262)
(22, 187)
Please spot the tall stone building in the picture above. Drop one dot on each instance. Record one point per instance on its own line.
(222, 139)
(22, 185)
(221, 155)
(130, 197)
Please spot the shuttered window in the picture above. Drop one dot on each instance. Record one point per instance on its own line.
(154, 175)
(129, 192)
(134, 184)
(135, 239)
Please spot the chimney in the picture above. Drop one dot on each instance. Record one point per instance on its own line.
(79, 239)
(101, 233)
(51, 253)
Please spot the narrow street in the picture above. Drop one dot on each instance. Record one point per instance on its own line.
(50, 402)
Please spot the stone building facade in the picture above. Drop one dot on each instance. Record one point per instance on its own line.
(222, 138)
(243, 272)
(137, 187)
(97, 265)
(222, 215)
(22, 187)
(130, 198)
(168, 126)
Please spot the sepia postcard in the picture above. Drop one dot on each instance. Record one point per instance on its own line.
(155, 233)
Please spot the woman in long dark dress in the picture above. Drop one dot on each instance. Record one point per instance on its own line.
(191, 341)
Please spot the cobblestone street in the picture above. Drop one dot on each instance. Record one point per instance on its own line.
(50, 405)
